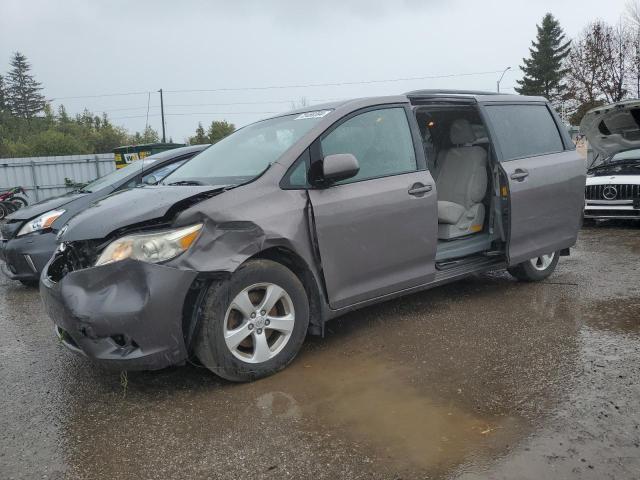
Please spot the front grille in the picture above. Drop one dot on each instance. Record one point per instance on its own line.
(622, 192)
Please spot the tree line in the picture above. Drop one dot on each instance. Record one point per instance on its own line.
(30, 127)
(600, 65)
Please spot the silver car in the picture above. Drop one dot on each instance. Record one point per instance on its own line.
(297, 219)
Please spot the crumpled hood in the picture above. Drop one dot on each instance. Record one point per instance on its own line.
(39, 208)
(613, 128)
(131, 207)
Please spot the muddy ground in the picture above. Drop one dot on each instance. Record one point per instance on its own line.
(484, 378)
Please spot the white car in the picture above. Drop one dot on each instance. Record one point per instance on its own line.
(613, 174)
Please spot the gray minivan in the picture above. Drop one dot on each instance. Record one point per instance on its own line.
(300, 218)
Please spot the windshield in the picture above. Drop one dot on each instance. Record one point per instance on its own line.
(624, 156)
(117, 175)
(246, 153)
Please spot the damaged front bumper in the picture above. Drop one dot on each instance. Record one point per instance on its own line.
(128, 315)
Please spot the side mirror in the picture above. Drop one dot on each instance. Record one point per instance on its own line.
(339, 166)
(150, 180)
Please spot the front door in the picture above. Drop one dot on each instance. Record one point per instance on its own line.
(377, 232)
(546, 179)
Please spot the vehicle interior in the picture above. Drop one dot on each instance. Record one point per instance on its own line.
(471, 200)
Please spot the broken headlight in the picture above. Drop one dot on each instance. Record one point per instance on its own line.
(42, 222)
(150, 247)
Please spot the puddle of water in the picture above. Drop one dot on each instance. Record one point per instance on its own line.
(373, 403)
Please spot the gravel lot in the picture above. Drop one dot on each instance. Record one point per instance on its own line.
(484, 378)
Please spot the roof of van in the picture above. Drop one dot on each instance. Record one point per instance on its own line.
(478, 95)
(417, 96)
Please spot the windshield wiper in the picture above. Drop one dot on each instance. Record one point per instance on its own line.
(186, 182)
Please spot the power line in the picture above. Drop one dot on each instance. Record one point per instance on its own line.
(228, 104)
(273, 87)
(336, 84)
(225, 104)
(100, 95)
(196, 113)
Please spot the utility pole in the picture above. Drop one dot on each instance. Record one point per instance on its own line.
(162, 115)
(501, 76)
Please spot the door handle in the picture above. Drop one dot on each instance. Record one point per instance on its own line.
(418, 189)
(519, 175)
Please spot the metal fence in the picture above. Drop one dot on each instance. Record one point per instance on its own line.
(44, 177)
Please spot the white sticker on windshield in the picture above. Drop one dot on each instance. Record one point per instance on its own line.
(316, 114)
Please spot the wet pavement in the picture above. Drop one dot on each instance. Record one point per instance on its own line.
(484, 378)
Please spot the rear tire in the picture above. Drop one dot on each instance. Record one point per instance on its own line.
(4, 211)
(268, 333)
(536, 269)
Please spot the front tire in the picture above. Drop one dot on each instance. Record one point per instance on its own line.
(253, 324)
(19, 202)
(536, 269)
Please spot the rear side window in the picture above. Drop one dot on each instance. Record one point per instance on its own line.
(379, 139)
(524, 130)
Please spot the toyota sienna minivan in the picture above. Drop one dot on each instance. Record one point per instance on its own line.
(297, 219)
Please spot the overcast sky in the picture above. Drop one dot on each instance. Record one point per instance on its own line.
(81, 47)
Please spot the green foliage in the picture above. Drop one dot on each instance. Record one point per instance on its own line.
(3, 95)
(148, 136)
(543, 70)
(23, 97)
(58, 134)
(69, 183)
(218, 130)
(200, 137)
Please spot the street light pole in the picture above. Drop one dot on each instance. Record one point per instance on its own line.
(162, 115)
(501, 77)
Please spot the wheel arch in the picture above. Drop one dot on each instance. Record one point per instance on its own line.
(318, 308)
(294, 262)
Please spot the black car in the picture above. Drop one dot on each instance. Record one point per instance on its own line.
(28, 236)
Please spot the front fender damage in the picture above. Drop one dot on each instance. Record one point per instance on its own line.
(235, 232)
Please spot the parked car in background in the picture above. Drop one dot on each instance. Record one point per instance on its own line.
(300, 218)
(613, 177)
(28, 236)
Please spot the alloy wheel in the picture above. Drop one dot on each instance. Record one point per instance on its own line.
(259, 322)
(542, 262)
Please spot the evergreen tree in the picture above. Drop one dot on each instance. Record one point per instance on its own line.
(23, 92)
(544, 71)
(3, 95)
(200, 137)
